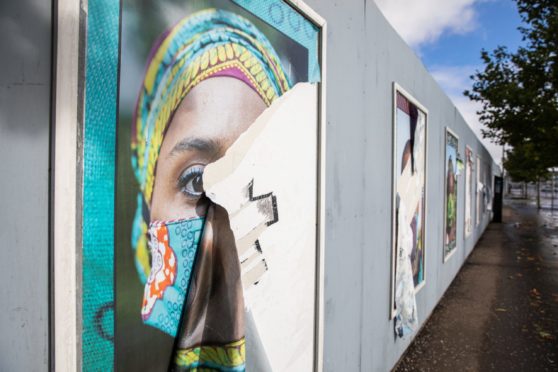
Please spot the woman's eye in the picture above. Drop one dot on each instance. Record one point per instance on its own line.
(190, 182)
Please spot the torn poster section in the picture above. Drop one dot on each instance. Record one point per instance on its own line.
(409, 196)
(267, 182)
(406, 321)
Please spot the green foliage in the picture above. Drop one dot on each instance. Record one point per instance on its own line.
(524, 165)
(518, 91)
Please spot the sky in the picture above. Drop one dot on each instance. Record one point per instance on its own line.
(448, 35)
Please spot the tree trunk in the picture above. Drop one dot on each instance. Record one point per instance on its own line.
(538, 193)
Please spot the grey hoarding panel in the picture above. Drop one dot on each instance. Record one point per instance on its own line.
(24, 183)
(364, 57)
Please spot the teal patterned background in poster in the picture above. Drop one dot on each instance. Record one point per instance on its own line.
(287, 20)
(98, 184)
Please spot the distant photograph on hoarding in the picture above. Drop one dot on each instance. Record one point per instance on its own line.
(451, 172)
(469, 190)
(488, 181)
(409, 182)
(479, 211)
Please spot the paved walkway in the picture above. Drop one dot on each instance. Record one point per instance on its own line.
(501, 311)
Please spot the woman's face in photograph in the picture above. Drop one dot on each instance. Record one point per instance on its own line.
(206, 123)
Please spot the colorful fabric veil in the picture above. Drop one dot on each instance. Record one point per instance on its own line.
(206, 44)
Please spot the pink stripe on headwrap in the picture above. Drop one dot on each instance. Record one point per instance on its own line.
(234, 73)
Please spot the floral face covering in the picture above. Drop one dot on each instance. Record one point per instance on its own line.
(173, 246)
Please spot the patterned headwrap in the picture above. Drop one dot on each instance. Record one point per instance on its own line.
(207, 44)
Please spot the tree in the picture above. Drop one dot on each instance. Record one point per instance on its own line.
(518, 92)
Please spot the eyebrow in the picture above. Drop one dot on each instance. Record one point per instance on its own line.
(205, 145)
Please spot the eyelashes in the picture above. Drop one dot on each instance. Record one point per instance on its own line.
(190, 181)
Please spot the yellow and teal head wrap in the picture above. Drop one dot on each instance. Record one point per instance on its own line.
(206, 44)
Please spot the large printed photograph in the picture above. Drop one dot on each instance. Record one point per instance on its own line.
(216, 199)
(480, 195)
(409, 182)
(450, 197)
(469, 190)
(484, 189)
(488, 187)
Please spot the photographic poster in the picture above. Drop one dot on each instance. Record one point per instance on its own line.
(217, 179)
(409, 209)
(469, 190)
(450, 230)
(480, 196)
(488, 187)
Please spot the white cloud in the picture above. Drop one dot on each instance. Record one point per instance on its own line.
(454, 80)
(420, 22)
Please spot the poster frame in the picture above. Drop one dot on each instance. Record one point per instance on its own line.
(446, 257)
(473, 194)
(397, 88)
(311, 15)
(69, 123)
(478, 177)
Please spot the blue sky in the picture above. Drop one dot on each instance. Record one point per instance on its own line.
(448, 36)
(495, 24)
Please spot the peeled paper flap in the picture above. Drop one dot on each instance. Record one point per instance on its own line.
(224, 167)
(267, 182)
